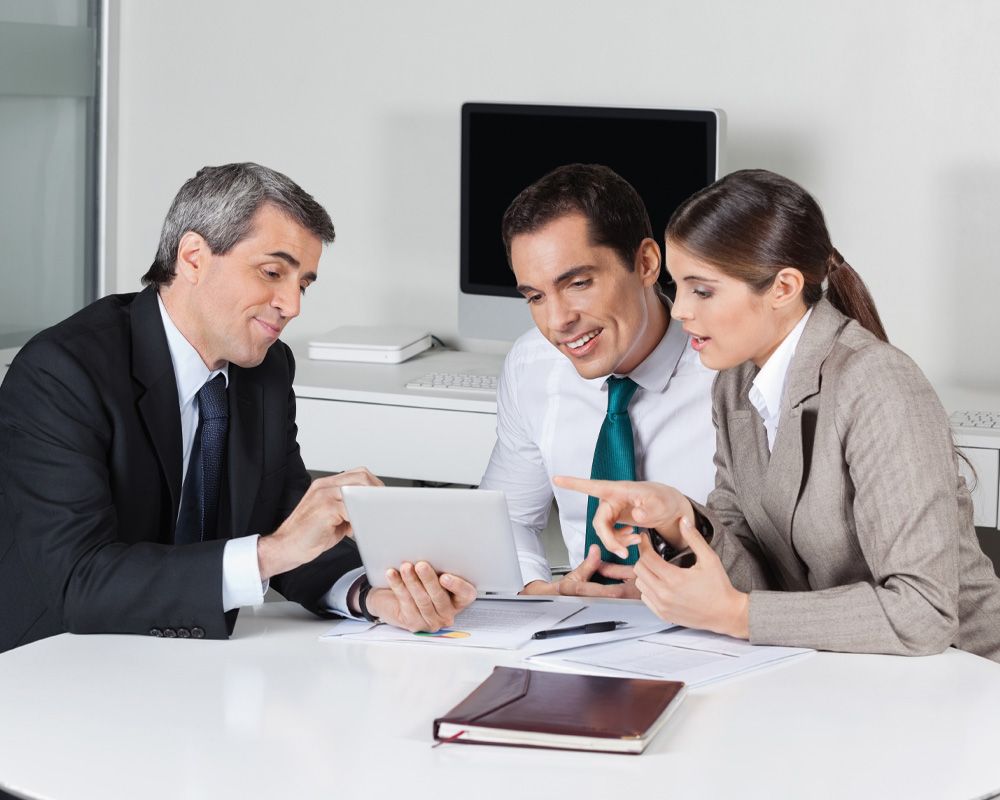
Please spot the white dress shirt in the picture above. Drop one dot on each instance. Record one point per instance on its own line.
(768, 388)
(548, 419)
(241, 583)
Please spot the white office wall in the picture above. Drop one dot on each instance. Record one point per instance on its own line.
(888, 111)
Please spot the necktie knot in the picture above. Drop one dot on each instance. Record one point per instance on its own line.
(620, 391)
(212, 399)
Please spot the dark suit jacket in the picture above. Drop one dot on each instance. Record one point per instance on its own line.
(90, 482)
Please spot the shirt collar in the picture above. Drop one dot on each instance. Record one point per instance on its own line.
(190, 371)
(769, 385)
(655, 371)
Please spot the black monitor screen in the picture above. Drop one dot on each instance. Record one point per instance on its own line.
(665, 155)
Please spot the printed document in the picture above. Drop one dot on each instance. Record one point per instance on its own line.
(510, 624)
(695, 657)
(504, 624)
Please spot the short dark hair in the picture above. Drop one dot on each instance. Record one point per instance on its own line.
(219, 203)
(616, 216)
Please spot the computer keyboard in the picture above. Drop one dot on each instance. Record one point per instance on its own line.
(484, 385)
(976, 420)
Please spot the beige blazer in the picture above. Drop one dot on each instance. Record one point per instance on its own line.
(855, 534)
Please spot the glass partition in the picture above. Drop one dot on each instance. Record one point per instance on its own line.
(48, 162)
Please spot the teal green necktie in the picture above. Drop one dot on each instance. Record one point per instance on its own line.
(614, 460)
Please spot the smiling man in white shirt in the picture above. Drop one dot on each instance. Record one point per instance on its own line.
(580, 244)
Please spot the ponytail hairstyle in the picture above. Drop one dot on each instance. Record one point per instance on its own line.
(753, 223)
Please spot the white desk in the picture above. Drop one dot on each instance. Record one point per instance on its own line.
(277, 713)
(361, 414)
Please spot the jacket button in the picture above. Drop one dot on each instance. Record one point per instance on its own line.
(197, 633)
(155, 632)
(183, 633)
(169, 633)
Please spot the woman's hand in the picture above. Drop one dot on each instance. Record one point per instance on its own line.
(634, 503)
(701, 596)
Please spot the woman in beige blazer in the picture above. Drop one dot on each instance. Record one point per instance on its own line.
(839, 520)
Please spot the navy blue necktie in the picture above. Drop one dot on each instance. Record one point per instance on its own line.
(200, 504)
(614, 460)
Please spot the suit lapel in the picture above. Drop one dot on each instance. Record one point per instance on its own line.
(156, 396)
(784, 475)
(748, 440)
(245, 447)
(793, 445)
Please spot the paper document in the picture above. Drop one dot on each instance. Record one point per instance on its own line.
(504, 624)
(640, 621)
(347, 627)
(695, 657)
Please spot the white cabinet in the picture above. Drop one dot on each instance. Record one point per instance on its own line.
(353, 414)
(984, 485)
(429, 444)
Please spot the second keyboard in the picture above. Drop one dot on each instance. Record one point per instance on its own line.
(484, 385)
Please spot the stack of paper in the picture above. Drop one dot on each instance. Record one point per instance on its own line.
(695, 657)
(644, 647)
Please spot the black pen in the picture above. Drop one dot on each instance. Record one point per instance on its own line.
(590, 627)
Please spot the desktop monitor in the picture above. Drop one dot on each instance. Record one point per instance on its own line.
(667, 155)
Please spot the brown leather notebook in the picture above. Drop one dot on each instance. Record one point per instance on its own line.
(529, 708)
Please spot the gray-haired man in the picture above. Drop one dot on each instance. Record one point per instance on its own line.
(147, 440)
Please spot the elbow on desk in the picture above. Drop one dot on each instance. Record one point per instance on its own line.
(144, 616)
(928, 635)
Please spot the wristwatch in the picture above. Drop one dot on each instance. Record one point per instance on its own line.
(704, 526)
(682, 558)
(363, 601)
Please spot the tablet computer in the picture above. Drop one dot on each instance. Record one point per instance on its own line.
(462, 531)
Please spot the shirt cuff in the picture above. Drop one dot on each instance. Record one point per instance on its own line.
(335, 600)
(241, 583)
(533, 569)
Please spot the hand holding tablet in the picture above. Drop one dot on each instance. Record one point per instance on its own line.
(419, 600)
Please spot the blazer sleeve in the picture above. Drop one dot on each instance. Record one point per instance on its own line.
(903, 482)
(57, 490)
(732, 539)
(309, 583)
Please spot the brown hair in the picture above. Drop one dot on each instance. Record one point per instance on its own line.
(753, 223)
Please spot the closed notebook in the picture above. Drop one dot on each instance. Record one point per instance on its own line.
(529, 708)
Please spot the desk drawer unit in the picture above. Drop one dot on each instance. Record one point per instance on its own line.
(428, 444)
(985, 485)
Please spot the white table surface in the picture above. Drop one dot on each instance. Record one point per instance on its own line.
(274, 712)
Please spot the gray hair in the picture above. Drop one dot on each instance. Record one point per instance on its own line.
(219, 204)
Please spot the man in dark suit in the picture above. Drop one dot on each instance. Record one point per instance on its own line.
(150, 477)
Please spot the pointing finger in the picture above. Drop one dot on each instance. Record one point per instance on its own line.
(585, 485)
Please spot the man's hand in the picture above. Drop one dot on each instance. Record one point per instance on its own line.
(578, 584)
(701, 596)
(318, 522)
(418, 599)
(642, 504)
